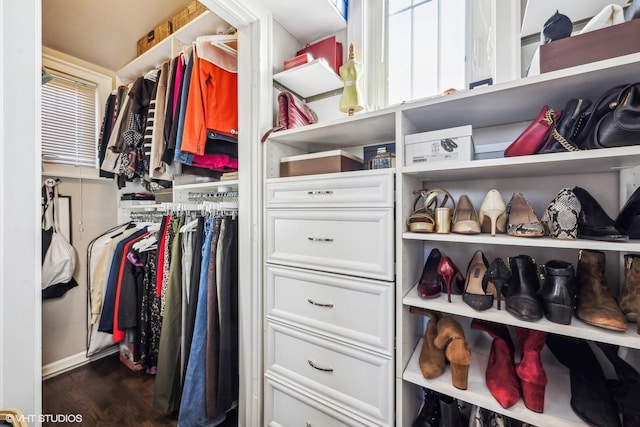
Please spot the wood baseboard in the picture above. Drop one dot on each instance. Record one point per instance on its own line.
(58, 367)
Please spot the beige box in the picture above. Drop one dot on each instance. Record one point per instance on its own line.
(187, 14)
(153, 37)
(316, 163)
(452, 144)
(164, 195)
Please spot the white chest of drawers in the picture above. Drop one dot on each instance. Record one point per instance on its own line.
(329, 299)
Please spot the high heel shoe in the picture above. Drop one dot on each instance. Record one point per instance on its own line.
(560, 218)
(498, 273)
(493, 215)
(451, 278)
(629, 298)
(451, 338)
(430, 284)
(628, 220)
(533, 379)
(475, 288)
(522, 221)
(465, 217)
(431, 359)
(593, 222)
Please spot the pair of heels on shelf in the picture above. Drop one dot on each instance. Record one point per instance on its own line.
(443, 341)
(445, 215)
(507, 381)
(440, 273)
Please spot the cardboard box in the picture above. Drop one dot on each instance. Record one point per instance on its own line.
(296, 61)
(187, 14)
(452, 144)
(617, 40)
(316, 163)
(328, 49)
(153, 37)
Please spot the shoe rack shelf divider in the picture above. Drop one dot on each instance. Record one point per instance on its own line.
(610, 173)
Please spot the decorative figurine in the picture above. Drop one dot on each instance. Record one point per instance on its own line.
(350, 73)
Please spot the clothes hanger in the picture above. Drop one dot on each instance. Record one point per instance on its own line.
(226, 42)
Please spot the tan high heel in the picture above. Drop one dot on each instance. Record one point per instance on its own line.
(523, 222)
(451, 338)
(493, 213)
(431, 359)
(465, 217)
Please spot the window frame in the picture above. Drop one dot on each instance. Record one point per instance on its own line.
(104, 84)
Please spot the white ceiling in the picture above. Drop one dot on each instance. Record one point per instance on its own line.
(103, 32)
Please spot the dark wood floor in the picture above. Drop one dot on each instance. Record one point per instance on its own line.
(106, 393)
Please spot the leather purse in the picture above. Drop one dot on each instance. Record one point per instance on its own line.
(328, 49)
(292, 113)
(619, 126)
(534, 136)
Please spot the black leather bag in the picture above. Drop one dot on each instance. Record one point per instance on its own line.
(619, 126)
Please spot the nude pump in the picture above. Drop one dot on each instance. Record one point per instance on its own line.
(493, 213)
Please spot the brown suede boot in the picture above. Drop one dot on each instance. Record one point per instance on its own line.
(629, 298)
(594, 304)
(451, 339)
(431, 358)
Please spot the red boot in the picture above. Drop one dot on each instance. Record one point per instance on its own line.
(530, 369)
(500, 375)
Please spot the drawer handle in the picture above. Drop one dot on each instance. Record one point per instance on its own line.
(319, 368)
(319, 192)
(319, 304)
(319, 239)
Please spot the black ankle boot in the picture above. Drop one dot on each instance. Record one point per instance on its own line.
(429, 415)
(590, 398)
(626, 388)
(522, 299)
(628, 219)
(558, 291)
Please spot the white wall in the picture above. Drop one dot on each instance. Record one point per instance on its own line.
(20, 35)
(64, 320)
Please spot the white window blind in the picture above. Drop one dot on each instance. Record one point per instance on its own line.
(69, 121)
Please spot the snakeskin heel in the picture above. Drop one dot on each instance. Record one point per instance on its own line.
(560, 218)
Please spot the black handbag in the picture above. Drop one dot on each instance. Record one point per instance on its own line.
(610, 122)
(619, 126)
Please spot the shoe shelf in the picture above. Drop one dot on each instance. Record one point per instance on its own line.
(557, 410)
(538, 165)
(577, 328)
(538, 242)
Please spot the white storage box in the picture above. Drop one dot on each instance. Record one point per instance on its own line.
(490, 151)
(452, 144)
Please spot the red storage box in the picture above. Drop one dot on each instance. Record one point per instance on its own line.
(296, 61)
(329, 49)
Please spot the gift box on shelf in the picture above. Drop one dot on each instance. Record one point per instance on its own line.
(322, 162)
(452, 144)
(597, 45)
(328, 49)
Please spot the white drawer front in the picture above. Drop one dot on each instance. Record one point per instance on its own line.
(287, 407)
(357, 380)
(354, 242)
(370, 189)
(349, 308)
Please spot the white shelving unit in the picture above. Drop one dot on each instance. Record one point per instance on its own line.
(206, 23)
(608, 174)
(310, 79)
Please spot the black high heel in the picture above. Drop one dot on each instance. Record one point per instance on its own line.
(475, 288)
(629, 217)
(593, 221)
(497, 273)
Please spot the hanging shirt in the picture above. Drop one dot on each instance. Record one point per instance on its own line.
(212, 102)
